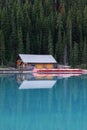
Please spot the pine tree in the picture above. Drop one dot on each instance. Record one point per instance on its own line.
(65, 55)
(74, 55)
(50, 44)
(13, 39)
(84, 58)
(20, 41)
(85, 21)
(69, 39)
(27, 44)
(59, 44)
(2, 48)
(19, 16)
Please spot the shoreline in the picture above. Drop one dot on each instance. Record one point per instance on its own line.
(10, 70)
(13, 71)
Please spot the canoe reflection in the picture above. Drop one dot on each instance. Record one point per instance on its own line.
(36, 76)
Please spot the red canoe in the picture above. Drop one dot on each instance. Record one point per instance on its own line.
(59, 71)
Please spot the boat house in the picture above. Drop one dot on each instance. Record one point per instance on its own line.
(29, 61)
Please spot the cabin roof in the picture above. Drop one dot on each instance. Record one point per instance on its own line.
(29, 58)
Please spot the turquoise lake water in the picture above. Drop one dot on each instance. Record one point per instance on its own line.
(60, 106)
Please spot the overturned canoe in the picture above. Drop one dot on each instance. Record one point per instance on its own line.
(59, 71)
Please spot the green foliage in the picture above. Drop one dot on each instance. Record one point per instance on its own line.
(42, 27)
(20, 41)
(27, 50)
(50, 44)
(2, 48)
(74, 55)
(84, 58)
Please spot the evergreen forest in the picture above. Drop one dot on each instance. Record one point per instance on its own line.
(56, 27)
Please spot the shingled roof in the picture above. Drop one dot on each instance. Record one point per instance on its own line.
(29, 58)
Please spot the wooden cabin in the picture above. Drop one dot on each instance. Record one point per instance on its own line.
(29, 61)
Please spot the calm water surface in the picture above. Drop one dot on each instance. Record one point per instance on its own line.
(63, 106)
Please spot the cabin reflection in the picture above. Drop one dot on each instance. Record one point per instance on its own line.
(29, 81)
(37, 81)
(37, 84)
